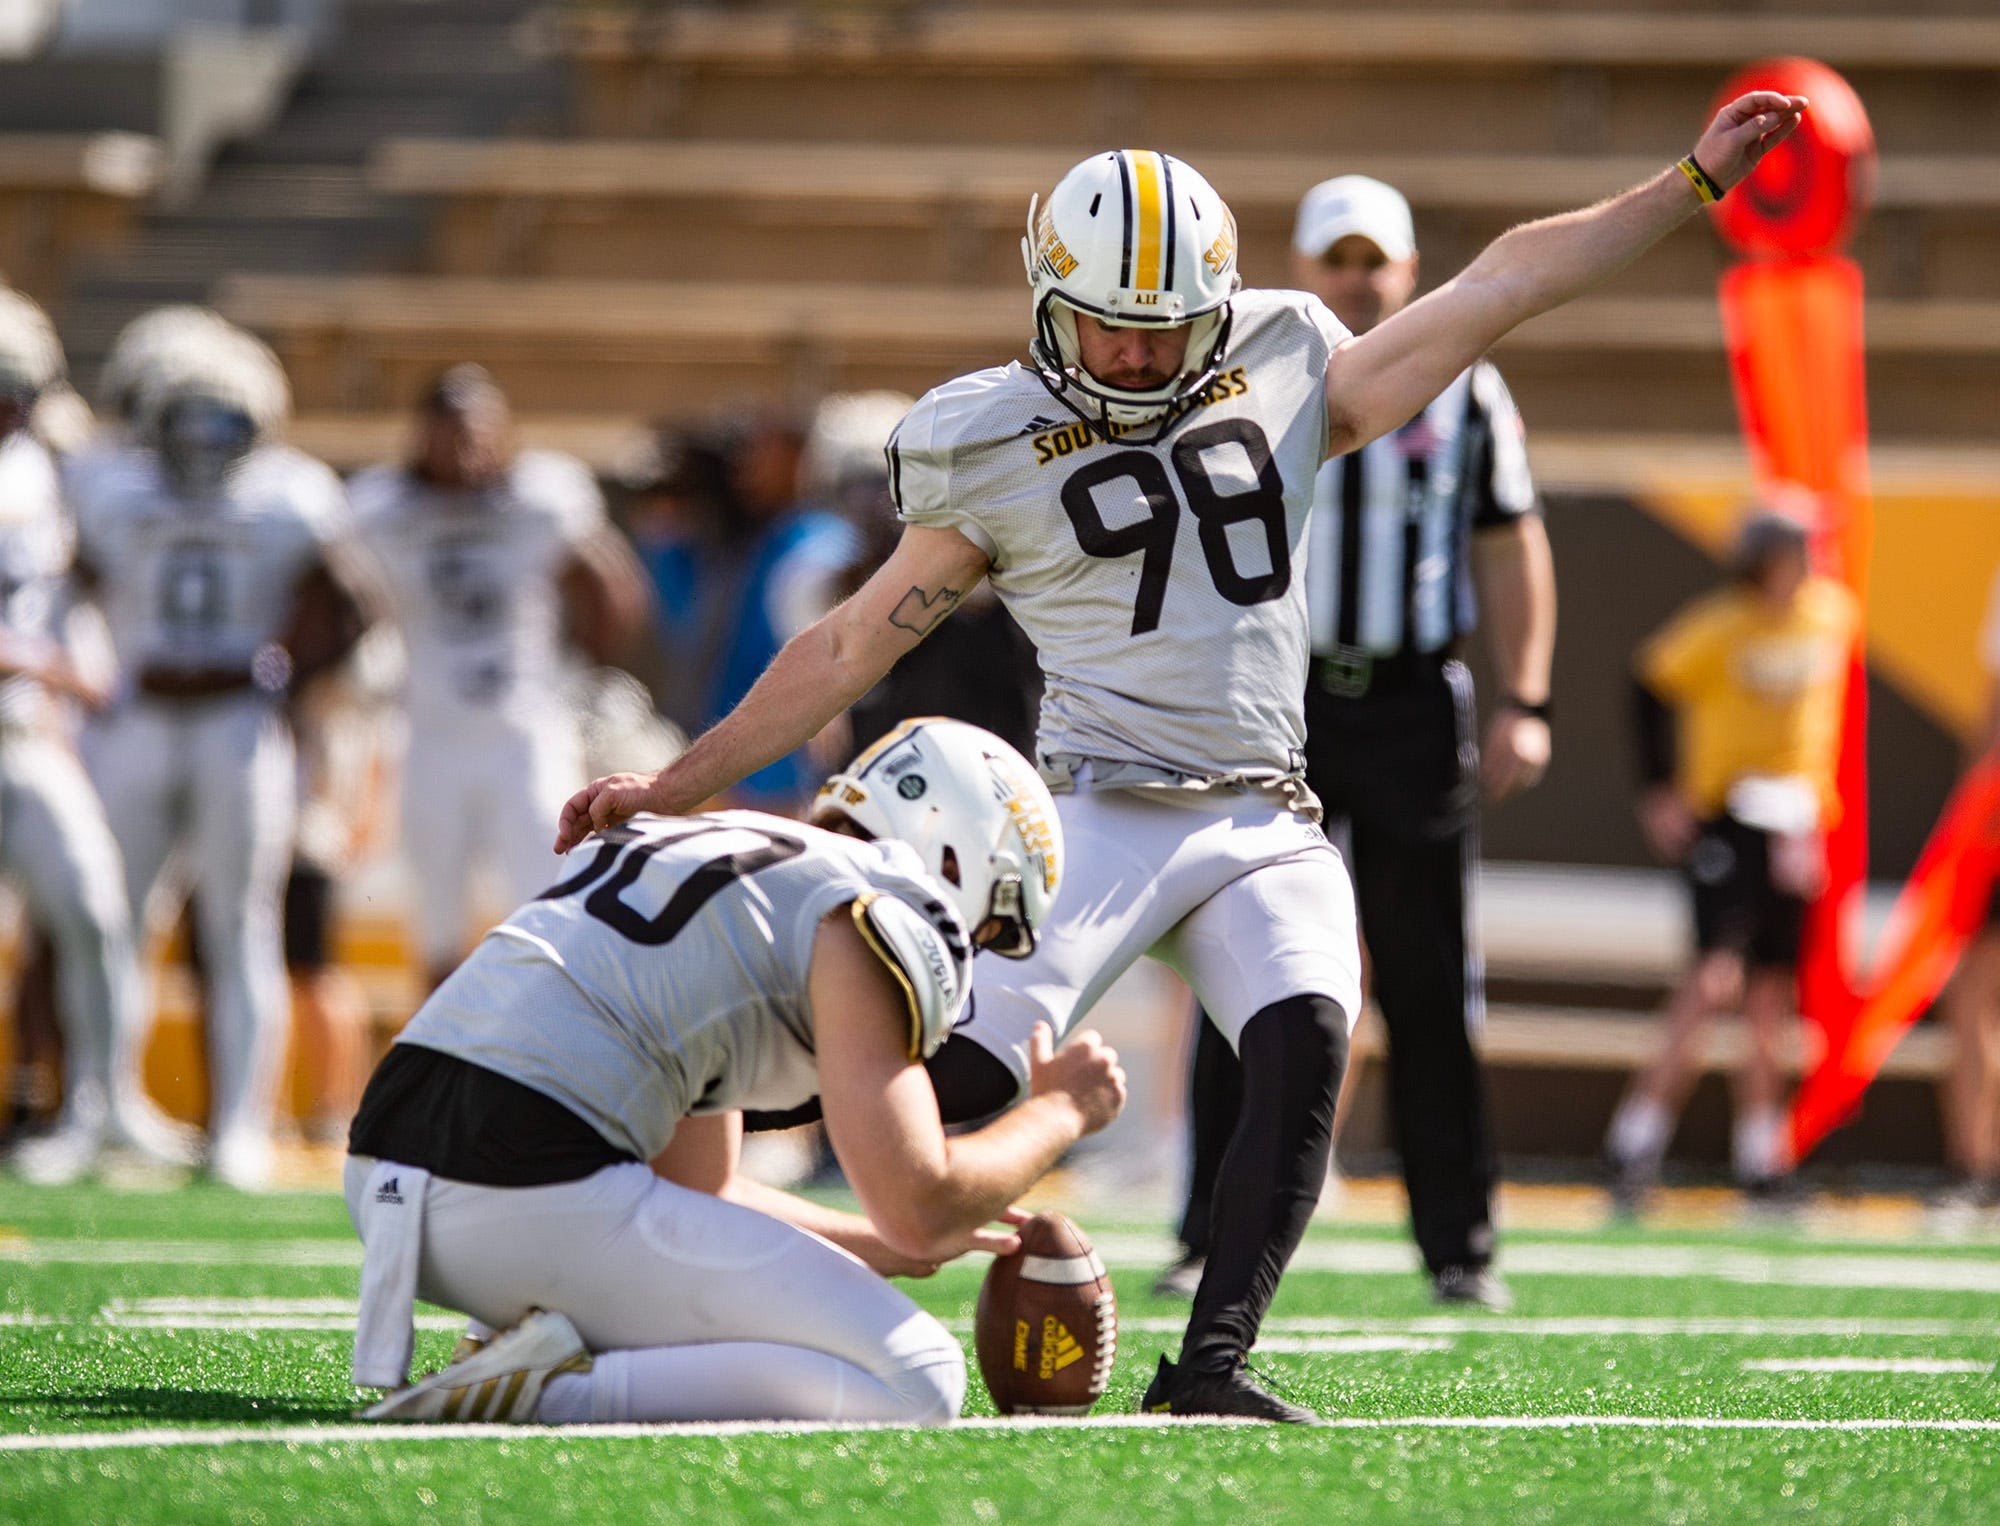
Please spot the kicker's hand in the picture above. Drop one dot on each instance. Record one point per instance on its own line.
(1085, 1071)
(606, 802)
(1744, 131)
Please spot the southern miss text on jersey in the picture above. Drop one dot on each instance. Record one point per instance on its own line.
(1160, 583)
(666, 973)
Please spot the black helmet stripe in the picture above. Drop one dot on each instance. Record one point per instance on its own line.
(1167, 176)
(1125, 185)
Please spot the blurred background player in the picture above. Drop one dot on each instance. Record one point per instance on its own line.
(1737, 701)
(215, 553)
(497, 562)
(1402, 530)
(54, 841)
(1970, 1087)
(341, 724)
(796, 545)
(685, 969)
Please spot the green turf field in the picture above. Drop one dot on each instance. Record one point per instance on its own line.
(1727, 1377)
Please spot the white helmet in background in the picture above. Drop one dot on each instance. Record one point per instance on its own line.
(210, 407)
(156, 342)
(1132, 237)
(976, 812)
(844, 446)
(31, 357)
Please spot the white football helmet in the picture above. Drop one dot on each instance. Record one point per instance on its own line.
(156, 342)
(977, 813)
(1132, 237)
(31, 358)
(210, 407)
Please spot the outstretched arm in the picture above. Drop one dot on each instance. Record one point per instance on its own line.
(1383, 378)
(821, 671)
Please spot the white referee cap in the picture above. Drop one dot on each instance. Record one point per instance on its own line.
(1351, 204)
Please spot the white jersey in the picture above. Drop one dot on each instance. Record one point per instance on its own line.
(1161, 584)
(473, 579)
(203, 584)
(36, 547)
(667, 975)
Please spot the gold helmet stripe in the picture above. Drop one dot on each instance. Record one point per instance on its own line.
(1147, 184)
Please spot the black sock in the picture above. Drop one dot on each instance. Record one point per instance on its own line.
(1293, 1054)
(1215, 1102)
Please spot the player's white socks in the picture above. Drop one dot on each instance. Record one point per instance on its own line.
(1758, 1149)
(1639, 1132)
(752, 1380)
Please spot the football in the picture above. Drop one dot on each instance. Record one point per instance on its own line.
(1046, 1329)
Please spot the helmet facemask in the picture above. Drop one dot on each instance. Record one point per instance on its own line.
(1117, 411)
(202, 440)
(972, 810)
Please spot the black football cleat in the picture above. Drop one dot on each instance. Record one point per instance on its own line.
(1471, 1285)
(1177, 1391)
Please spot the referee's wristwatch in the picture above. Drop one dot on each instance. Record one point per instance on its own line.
(1541, 710)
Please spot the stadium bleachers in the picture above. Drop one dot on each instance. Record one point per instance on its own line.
(64, 193)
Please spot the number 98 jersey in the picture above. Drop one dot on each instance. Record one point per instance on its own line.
(1161, 584)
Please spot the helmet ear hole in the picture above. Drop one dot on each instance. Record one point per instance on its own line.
(948, 866)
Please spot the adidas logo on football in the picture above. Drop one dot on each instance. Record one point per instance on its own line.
(1039, 425)
(1059, 1347)
(389, 1192)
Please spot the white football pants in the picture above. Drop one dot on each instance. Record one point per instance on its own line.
(489, 794)
(693, 1308)
(56, 845)
(212, 784)
(1243, 898)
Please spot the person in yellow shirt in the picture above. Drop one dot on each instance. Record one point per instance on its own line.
(1738, 702)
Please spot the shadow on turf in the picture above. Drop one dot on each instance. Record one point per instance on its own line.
(176, 1404)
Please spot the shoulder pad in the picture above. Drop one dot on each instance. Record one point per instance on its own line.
(932, 968)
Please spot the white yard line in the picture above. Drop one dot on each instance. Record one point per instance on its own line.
(335, 1435)
(1923, 1364)
(1804, 1268)
(1348, 1345)
(302, 1253)
(1324, 1333)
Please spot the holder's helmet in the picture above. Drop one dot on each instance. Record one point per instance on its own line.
(976, 812)
(1136, 238)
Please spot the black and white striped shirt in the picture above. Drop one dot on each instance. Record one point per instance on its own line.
(1387, 566)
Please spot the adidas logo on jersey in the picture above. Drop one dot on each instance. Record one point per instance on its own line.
(390, 1192)
(1039, 425)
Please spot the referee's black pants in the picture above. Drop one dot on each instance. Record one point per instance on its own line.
(1400, 765)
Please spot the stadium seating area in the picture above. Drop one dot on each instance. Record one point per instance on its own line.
(637, 211)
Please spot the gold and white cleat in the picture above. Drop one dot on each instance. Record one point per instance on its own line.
(500, 1382)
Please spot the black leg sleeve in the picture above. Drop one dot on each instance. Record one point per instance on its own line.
(1293, 1053)
(970, 1082)
(1215, 1101)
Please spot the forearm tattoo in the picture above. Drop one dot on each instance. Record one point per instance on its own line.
(920, 612)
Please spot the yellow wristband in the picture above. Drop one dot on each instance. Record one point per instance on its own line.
(1698, 177)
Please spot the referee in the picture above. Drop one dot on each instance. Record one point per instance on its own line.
(1402, 531)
